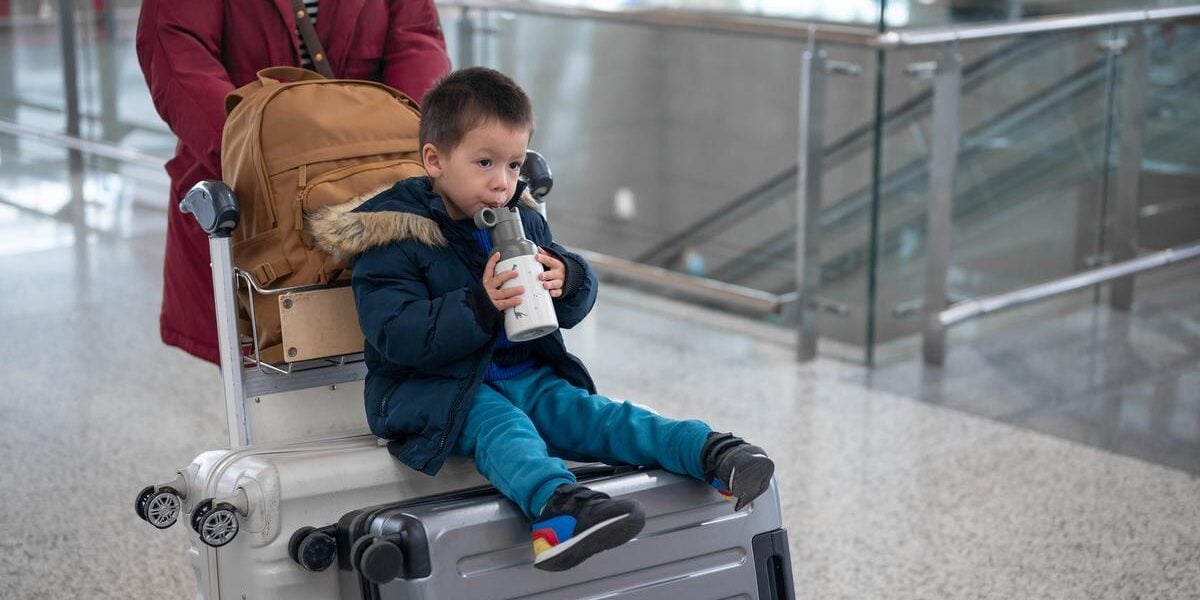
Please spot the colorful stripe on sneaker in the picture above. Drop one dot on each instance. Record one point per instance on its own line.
(725, 492)
(552, 532)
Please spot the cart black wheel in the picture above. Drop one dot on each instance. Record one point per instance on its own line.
(294, 542)
(219, 525)
(360, 545)
(198, 513)
(381, 562)
(139, 503)
(317, 551)
(162, 508)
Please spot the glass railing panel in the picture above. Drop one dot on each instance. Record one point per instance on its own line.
(114, 103)
(1169, 212)
(917, 13)
(850, 12)
(31, 83)
(1029, 186)
(760, 251)
(897, 14)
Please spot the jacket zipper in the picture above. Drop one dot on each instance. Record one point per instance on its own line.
(472, 262)
(462, 396)
(386, 396)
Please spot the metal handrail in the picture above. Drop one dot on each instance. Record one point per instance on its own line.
(727, 294)
(710, 21)
(87, 146)
(800, 29)
(969, 309)
(943, 35)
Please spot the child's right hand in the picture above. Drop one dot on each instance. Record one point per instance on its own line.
(492, 281)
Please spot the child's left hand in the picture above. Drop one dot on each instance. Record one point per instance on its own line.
(555, 275)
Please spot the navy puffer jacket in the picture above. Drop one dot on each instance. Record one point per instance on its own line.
(430, 328)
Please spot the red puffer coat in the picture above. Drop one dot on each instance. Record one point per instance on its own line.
(194, 52)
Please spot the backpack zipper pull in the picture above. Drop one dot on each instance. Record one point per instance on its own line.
(299, 221)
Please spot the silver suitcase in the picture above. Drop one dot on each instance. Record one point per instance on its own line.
(242, 508)
(287, 513)
(476, 545)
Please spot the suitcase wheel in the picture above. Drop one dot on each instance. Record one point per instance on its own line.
(312, 548)
(198, 513)
(218, 525)
(159, 506)
(139, 503)
(377, 559)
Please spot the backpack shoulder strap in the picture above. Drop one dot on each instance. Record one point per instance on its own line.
(308, 34)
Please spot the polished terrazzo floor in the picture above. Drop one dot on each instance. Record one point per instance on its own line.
(884, 496)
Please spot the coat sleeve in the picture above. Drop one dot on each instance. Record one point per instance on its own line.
(178, 48)
(415, 52)
(405, 324)
(579, 289)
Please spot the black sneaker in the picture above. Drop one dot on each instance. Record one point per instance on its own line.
(578, 522)
(738, 470)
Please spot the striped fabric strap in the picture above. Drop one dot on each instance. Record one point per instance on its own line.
(312, 54)
(305, 57)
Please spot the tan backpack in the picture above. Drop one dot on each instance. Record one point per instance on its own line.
(295, 142)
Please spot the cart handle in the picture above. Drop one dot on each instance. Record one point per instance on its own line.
(214, 206)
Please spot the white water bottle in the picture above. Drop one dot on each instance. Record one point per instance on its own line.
(534, 317)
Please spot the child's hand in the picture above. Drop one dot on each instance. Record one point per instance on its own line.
(555, 275)
(492, 281)
(501, 299)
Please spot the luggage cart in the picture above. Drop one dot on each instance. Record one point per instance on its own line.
(303, 415)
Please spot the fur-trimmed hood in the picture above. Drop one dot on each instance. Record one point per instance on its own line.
(403, 211)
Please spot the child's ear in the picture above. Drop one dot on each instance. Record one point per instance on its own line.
(432, 160)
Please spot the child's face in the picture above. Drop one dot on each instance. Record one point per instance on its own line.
(481, 171)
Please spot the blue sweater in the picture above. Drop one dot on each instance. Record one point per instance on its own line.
(510, 358)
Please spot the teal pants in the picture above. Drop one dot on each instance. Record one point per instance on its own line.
(519, 431)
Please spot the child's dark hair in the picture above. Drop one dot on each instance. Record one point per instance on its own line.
(468, 98)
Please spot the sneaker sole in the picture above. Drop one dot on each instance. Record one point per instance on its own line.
(757, 476)
(597, 538)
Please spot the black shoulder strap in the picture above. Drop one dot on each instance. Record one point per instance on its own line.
(308, 37)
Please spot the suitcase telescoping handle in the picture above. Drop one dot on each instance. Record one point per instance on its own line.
(214, 206)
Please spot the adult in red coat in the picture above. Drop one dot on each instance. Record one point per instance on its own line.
(194, 52)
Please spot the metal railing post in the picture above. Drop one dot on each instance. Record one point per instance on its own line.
(1123, 223)
(70, 69)
(1093, 227)
(808, 197)
(466, 39)
(943, 159)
